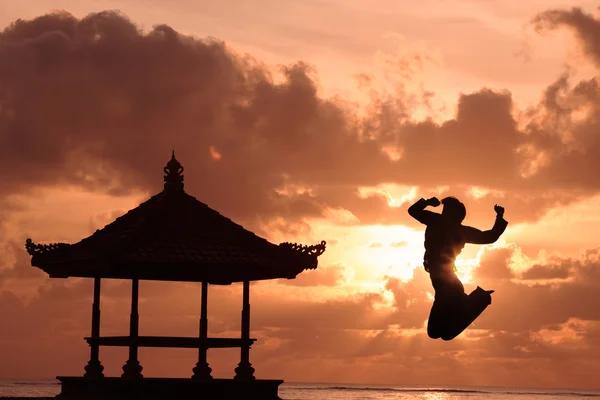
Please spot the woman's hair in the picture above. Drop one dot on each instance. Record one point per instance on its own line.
(454, 208)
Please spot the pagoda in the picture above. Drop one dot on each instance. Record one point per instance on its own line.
(172, 237)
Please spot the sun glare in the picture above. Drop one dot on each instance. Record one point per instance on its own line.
(465, 267)
(377, 251)
(388, 250)
(396, 195)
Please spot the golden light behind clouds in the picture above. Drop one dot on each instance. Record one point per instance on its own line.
(333, 147)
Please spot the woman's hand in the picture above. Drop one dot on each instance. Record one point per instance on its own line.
(499, 210)
(434, 202)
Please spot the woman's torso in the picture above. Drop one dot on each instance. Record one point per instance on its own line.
(443, 243)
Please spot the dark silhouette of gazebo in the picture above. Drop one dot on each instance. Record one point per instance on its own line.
(173, 237)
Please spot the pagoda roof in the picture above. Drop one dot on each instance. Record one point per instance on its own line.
(174, 237)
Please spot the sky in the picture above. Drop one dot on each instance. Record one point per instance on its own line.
(307, 121)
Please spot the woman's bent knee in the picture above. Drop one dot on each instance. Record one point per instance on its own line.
(447, 337)
(433, 331)
(433, 335)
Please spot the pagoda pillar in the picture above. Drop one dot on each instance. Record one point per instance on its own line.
(202, 370)
(244, 370)
(94, 368)
(132, 368)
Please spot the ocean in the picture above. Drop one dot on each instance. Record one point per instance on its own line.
(322, 391)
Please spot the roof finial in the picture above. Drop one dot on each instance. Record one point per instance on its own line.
(173, 175)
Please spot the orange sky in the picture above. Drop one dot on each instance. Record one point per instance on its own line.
(305, 122)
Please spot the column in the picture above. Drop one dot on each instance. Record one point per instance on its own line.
(94, 368)
(202, 370)
(244, 370)
(132, 368)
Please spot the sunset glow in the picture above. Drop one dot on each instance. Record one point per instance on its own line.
(302, 122)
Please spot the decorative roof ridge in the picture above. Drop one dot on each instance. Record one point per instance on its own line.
(34, 249)
(313, 250)
(173, 175)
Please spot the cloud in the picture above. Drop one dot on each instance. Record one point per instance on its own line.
(541, 272)
(98, 103)
(378, 245)
(585, 26)
(323, 276)
(494, 265)
(523, 304)
(101, 219)
(543, 327)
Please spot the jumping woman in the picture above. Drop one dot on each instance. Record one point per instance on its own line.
(445, 237)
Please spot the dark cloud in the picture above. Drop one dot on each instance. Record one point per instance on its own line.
(565, 124)
(494, 265)
(323, 276)
(101, 219)
(96, 102)
(20, 271)
(584, 25)
(522, 304)
(411, 304)
(99, 103)
(541, 272)
(353, 337)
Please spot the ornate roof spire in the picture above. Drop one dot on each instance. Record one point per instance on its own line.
(173, 175)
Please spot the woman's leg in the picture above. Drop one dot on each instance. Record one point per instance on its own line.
(466, 313)
(436, 322)
(449, 299)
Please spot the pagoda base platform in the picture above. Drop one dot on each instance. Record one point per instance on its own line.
(81, 388)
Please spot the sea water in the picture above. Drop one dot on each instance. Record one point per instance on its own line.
(322, 391)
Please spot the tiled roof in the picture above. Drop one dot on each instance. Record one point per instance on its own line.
(173, 236)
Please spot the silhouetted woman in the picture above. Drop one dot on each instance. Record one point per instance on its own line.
(445, 237)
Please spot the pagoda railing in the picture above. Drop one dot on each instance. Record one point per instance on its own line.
(170, 342)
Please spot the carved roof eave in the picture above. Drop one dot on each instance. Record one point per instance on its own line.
(35, 250)
(55, 249)
(313, 251)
